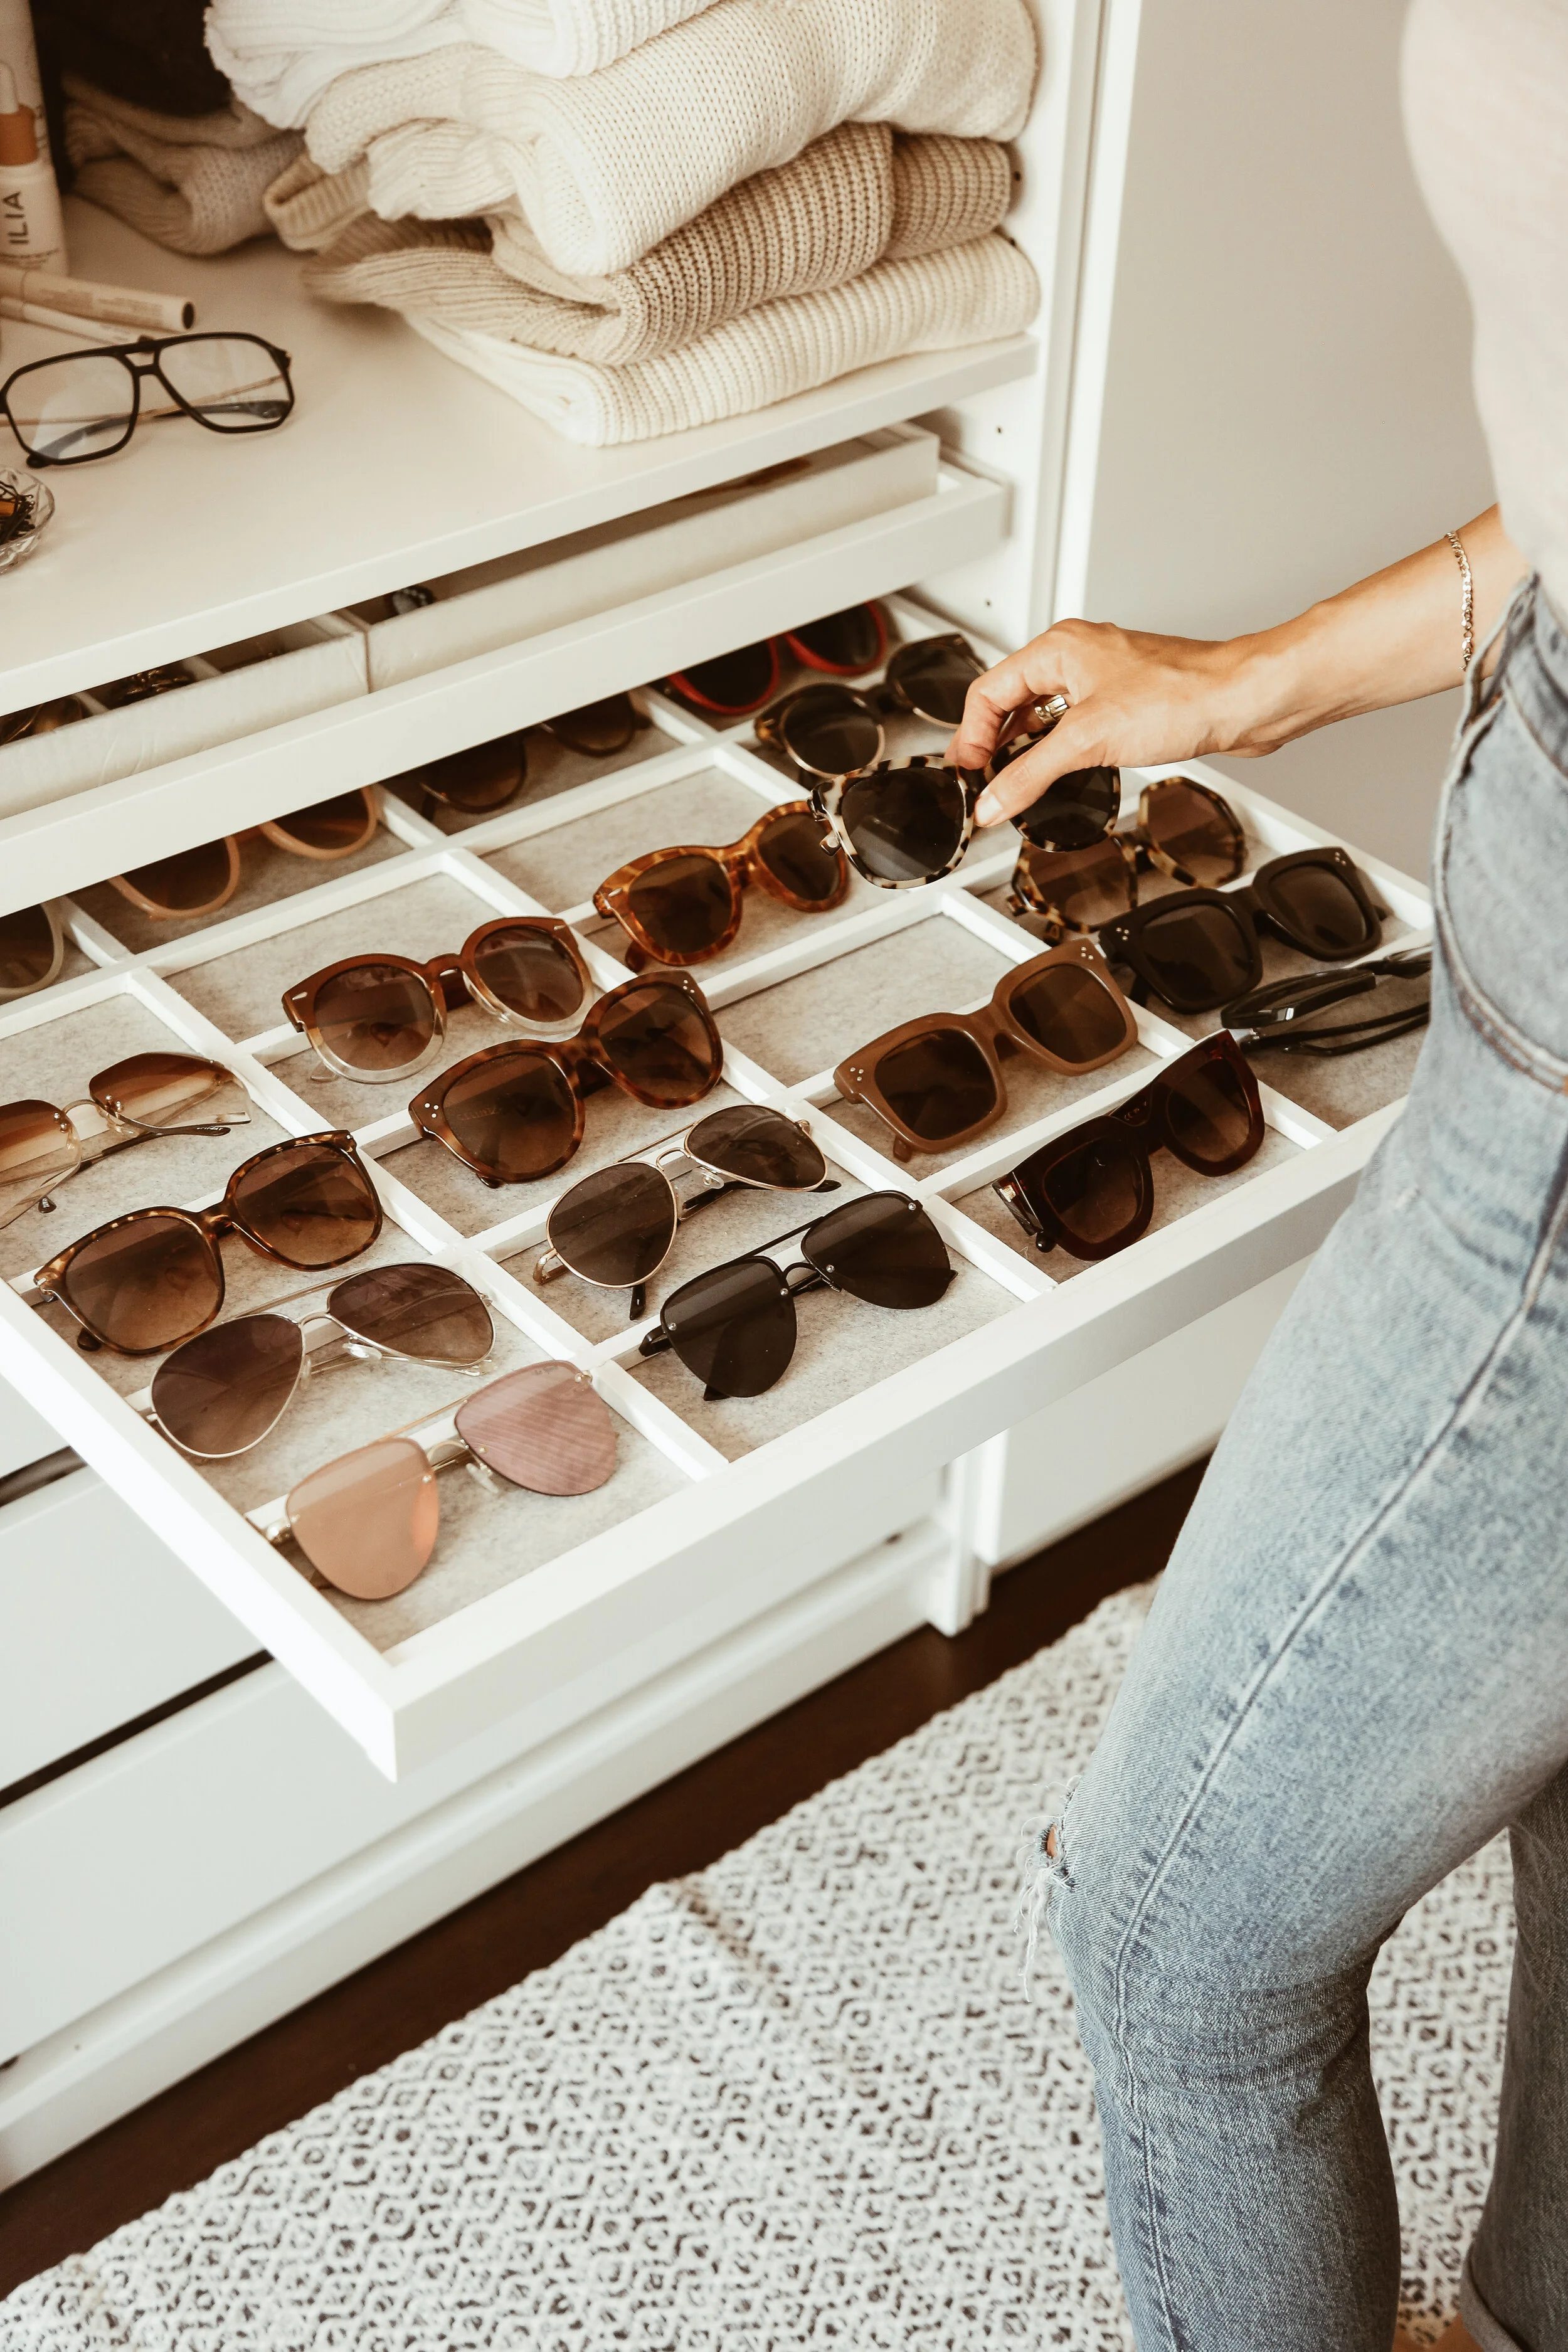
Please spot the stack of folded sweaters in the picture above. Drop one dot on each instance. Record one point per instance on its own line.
(637, 215)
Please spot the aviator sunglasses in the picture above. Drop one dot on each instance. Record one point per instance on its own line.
(367, 1523)
(731, 686)
(1091, 1191)
(937, 1081)
(513, 1113)
(1200, 949)
(132, 1102)
(682, 905)
(734, 1326)
(197, 881)
(616, 1227)
(382, 1017)
(224, 1391)
(143, 1282)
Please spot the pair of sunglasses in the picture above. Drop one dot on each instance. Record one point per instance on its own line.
(67, 410)
(367, 1523)
(1186, 830)
(32, 950)
(734, 1326)
(383, 1017)
(143, 1282)
(147, 1095)
(489, 776)
(937, 1081)
(198, 881)
(1286, 1014)
(732, 686)
(616, 1227)
(682, 905)
(1200, 949)
(829, 732)
(514, 1113)
(224, 1391)
(1091, 1191)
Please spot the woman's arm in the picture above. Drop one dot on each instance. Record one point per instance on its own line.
(1138, 700)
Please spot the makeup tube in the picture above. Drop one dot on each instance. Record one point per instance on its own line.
(112, 305)
(31, 228)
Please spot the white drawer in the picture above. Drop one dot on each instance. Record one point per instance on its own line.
(716, 1515)
(98, 1624)
(25, 1435)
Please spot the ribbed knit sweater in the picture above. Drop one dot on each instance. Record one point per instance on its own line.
(193, 182)
(606, 166)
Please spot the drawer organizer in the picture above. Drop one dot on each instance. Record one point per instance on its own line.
(716, 1512)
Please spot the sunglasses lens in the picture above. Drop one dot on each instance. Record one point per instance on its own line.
(733, 683)
(27, 950)
(1213, 1114)
(515, 1117)
(369, 1521)
(1200, 955)
(934, 675)
(1075, 811)
(1082, 888)
(1102, 1194)
(733, 1326)
(882, 1248)
(188, 883)
(375, 1019)
(907, 826)
(309, 1203)
(758, 1146)
(1319, 908)
(529, 971)
(223, 1391)
(34, 1149)
(599, 727)
(684, 904)
(656, 1039)
(545, 1427)
(793, 852)
(484, 777)
(168, 1090)
(331, 828)
(851, 641)
(415, 1310)
(1195, 829)
(616, 1227)
(143, 1286)
(1069, 1011)
(829, 731)
(940, 1085)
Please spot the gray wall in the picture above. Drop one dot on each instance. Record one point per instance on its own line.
(1288, 402)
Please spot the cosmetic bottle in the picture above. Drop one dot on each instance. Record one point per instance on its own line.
(31, 228)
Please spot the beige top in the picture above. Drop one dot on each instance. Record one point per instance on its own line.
(1486, 107)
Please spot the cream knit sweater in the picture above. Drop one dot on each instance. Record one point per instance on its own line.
(846, 201)
(606, 166)
(192, 183)
(971, 293)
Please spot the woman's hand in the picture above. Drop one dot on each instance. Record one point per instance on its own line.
(1136, 701)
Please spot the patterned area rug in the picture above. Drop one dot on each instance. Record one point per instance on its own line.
(798, 2101)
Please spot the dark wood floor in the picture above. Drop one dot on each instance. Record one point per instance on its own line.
(532, 1918)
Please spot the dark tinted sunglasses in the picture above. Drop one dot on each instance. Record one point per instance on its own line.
(1183, 829)
(1199, 949)
(1091, 1191)
(734, 1326)
(831, 733)
(1288, 1013)
(731, 686)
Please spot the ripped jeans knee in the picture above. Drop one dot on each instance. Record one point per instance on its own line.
(1045, 1872)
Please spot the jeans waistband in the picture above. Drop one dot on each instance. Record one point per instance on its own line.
(1536, 677)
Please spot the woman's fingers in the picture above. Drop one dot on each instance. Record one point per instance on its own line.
(1073, 743)
(988, 702)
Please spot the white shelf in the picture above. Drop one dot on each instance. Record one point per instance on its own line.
(397, 465)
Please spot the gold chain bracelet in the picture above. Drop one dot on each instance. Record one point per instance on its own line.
(1467, 601)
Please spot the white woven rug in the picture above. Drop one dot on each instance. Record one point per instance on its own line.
(798, 2101)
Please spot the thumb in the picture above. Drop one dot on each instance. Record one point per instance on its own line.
(1073, 743)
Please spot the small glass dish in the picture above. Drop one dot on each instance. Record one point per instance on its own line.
(26, 505)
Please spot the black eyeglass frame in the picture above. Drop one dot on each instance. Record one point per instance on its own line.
(149, 350)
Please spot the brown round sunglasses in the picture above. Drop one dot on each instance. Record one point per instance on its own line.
(682, 905)
(937, 1081)
(382, 1017)
(198, 881)
(513, 1113)
(143, 1282)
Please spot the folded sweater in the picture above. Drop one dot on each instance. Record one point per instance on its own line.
(192, 183)
(971, 293)
(846, 201)
(606, 166)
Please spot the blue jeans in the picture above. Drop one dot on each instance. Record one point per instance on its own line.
(1357, 1668)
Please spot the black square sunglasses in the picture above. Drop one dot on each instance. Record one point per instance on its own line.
(78, 405)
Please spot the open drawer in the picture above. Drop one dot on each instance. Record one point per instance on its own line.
(716, 1513)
